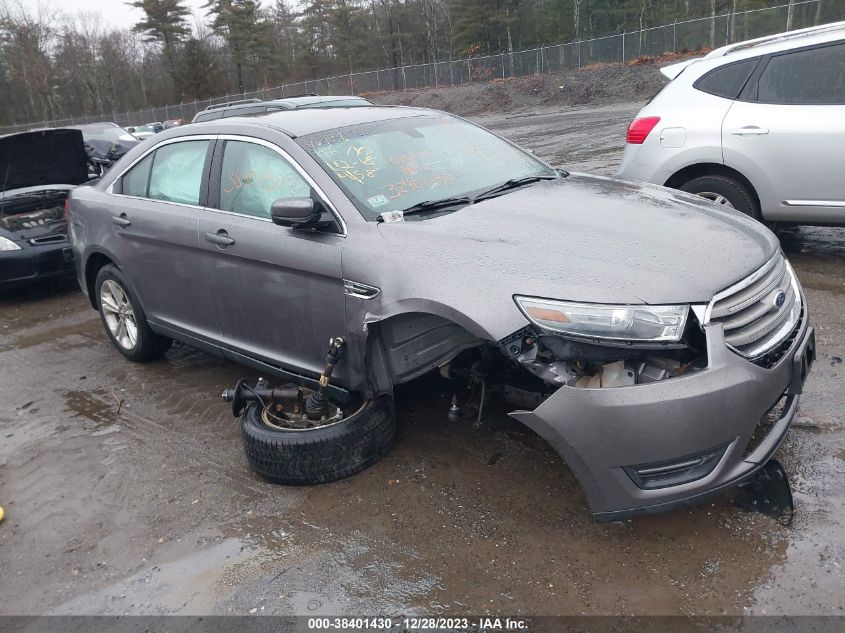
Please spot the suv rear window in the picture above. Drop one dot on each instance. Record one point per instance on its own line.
(261, 109)
(813, 76)
(208, 116)
(727, 81)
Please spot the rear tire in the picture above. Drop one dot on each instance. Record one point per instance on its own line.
(725, 190)
(123, 317)
(322, 454)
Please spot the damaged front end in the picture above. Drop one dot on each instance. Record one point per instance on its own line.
(650, 425)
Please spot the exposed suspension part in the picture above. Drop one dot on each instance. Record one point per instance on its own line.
(292, 406)
(317, 403)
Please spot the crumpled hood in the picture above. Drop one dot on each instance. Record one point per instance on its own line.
(42, 157)
(581, 238)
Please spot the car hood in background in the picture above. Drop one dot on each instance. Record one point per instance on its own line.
(108, 149)
(580, 238)
(43, 157)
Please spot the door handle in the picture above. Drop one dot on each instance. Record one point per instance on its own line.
(750, 130)
(121, 220)
(221, 238)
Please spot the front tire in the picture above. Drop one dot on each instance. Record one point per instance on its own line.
(124, 319)
(321, 454)
(726, 191)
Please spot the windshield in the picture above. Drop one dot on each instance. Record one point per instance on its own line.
(395, 164)
(110, 134)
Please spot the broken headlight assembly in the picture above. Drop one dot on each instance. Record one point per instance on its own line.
(589, 345)
(620, 323)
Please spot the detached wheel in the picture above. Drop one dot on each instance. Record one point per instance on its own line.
(320, 454)
(124, 319)
(725, 191)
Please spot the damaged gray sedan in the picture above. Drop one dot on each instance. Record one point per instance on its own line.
(659, 343)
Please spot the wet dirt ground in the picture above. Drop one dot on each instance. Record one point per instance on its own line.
(126, 490)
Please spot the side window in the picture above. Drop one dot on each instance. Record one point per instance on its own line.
(727, 81)
(136, 179)
(254, 177)
(177, 172)
(810, 77)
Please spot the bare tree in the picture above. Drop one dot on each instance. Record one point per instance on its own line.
(790, 15)
(576, 18)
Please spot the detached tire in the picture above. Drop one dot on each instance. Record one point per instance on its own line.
(322, 454)
(726, 191)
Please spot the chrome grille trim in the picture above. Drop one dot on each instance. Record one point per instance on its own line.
(753, 324)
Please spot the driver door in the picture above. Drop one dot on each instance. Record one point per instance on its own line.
(277, 292)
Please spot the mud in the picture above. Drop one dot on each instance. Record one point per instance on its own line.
(596, 84)
(126, 490)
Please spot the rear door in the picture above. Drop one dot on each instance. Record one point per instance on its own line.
(786, 133)
(278, 292)
(155, 215)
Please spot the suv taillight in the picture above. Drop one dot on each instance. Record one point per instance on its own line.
(639, 129)
(67, 210)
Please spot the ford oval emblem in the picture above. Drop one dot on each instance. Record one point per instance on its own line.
(780, 299)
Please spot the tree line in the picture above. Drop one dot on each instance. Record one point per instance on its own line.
(54, 65)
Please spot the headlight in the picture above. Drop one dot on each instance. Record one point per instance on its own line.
(8, 245)
(637, 323)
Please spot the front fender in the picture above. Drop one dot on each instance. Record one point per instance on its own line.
(393, 343)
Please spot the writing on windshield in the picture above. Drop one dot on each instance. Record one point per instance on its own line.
(395, 164)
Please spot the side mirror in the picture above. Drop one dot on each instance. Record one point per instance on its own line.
(296, 212)
(131, 130)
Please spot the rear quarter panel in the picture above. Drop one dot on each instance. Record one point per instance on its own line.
(90, 228)
(689, 132)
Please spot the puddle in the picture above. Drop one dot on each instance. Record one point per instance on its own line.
(93, 406)
(182, 580)
(220, 575)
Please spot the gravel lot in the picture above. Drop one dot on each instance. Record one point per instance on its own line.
(126, 490)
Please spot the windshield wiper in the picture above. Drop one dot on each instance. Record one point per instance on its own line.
(432, 205)
(513, 183)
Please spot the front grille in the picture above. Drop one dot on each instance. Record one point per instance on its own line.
(761, 312)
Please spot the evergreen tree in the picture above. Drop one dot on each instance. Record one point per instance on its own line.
(163, 21)
(246, 31)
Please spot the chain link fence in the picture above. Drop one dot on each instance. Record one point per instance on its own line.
(680, 36)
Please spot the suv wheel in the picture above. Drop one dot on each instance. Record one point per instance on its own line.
(123, 318)
(726, 191)
(320, 454)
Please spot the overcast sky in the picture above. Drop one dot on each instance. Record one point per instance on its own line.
(113, 12)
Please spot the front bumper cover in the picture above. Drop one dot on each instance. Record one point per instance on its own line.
(34, 262)
(600, 432)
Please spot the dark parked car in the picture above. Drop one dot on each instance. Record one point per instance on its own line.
(644, 332)
(105, 143)
(38, 169)
(254, 107)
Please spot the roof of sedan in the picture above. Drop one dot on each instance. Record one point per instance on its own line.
(302, 122)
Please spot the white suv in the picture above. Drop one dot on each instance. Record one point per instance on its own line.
(759, 126)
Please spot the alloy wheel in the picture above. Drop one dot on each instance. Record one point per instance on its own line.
(118, 314)
(717, 198)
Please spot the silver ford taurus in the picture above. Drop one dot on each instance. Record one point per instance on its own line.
(657, 341)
